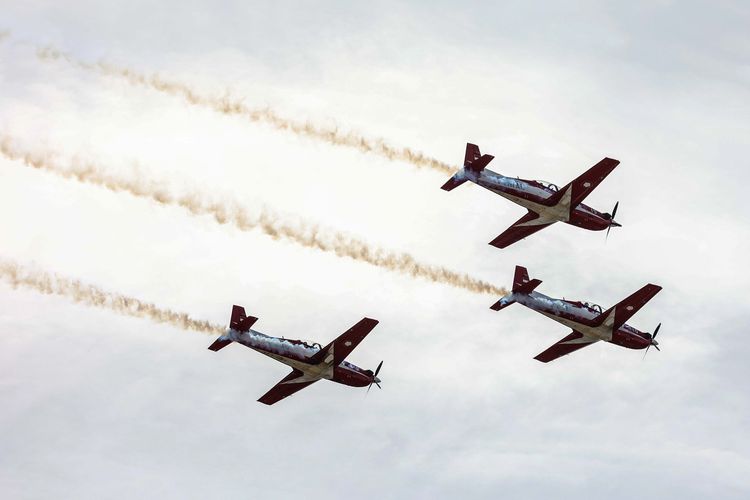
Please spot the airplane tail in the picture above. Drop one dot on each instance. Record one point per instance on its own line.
(239, 322)
(522, 285)
(473, 160)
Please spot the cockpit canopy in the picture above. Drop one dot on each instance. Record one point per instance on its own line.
(303, 343)
(548, 185)
(593, 307)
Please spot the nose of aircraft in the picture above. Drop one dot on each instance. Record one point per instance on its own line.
(612, 222)
(375, 379)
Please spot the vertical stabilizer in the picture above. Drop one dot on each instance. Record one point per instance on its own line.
(239, 321)
(522, 283)
(474, 160)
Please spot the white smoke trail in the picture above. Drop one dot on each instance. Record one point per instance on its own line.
(235, 107)
(54, 284)
(227, 212)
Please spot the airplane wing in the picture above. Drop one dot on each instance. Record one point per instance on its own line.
(572, 342)
(346, 342)
(286, 387)
(523, 227)
(584, 184)
(625, 309)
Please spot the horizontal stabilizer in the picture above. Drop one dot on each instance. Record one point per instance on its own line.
(219, 343)
(502, 303)
(452, 183)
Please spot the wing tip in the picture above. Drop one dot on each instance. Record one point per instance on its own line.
(369, 322)
(497, 243)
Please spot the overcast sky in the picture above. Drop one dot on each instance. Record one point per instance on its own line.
(97, 405)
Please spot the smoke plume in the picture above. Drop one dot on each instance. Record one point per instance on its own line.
(54, 284)
(235, 107)
(298, 231)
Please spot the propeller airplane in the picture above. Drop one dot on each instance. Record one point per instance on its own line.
(309, 362)
(589, 322)
(546, 204)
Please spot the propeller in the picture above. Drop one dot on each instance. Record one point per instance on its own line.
(653, 341)
(612, 220)
(375, 379)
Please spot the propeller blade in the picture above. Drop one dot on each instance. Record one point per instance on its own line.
(611, 220)
(374, 377)
(653, 341)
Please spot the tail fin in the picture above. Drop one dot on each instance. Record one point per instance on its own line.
(522, 283)
(474, 160)
(238, 322)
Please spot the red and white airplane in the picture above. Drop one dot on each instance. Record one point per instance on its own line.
(546, 203)
(309, 362)
(589, 322)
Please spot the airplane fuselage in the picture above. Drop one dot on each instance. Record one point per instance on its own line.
(298, 354)
(580, 317)
(532, 195)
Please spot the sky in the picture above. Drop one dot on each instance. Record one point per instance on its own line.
(98, 404)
